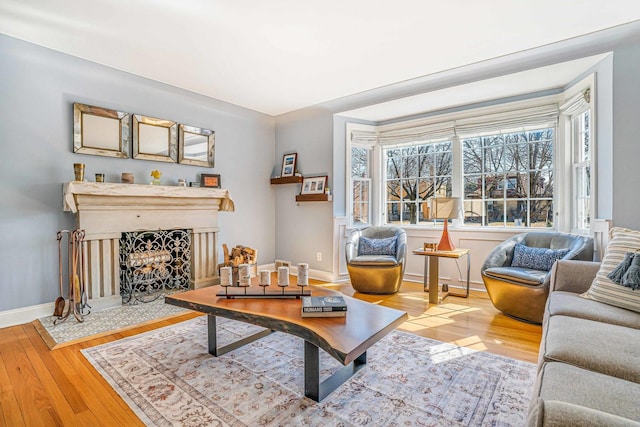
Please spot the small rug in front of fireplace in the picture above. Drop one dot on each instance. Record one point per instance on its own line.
(103, 322)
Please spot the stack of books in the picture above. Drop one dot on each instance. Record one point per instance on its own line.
(331, 306)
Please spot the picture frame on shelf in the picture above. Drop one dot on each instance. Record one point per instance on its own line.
(314, 184)
(210, 180)
(289, 164)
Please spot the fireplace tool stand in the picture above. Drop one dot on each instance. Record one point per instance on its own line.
(77, 294)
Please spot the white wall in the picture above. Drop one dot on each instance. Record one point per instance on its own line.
(37, 89)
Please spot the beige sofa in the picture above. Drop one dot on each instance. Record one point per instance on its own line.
(589, 362)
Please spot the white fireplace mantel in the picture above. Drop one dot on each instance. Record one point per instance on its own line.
(106, 210)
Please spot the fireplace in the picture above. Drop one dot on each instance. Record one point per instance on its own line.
(106, 210)
(153, 263)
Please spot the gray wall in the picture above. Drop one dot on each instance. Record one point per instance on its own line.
(626, 136)
(37, 89)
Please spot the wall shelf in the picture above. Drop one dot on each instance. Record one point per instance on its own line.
(287, 180)
(313, 198)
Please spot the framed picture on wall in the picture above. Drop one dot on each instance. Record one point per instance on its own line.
(289, 164)
(314, 184)
(210, 180)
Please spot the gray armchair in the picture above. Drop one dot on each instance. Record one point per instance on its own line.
(521, 292)
(376, 273)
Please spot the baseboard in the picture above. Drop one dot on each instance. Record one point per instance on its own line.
(18, 316)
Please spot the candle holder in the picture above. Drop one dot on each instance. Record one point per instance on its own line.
(303, 276)
(265, 280)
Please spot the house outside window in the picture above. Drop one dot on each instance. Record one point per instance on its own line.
(508, 179)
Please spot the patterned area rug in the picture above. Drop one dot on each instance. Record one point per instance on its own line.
(103, 322)
(168, 378)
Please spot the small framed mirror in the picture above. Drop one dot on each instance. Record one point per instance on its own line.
(100, 131)
(154, 139)
(196, 146)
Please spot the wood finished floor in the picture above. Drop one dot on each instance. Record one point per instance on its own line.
(42, 387)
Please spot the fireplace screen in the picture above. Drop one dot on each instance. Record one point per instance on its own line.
(153, 263)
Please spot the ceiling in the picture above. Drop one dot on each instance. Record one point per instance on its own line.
(282, 55)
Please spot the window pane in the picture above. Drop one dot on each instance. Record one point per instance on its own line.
(473, 212)
(472, 155)
(393, 164)
(495, 212)
(410, 167)
(541, 183)
(393, 213)
(393, 190)
(409, 212)
(361, 213)
(541, 213)
(493, 186)
(359, 162)
(516, 213)
(494, 159)
(541, 154)
(473, 187)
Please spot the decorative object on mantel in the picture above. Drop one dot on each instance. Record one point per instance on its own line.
(182, 182)
(289, 165)
(78, 171)
(99, 177)
(127, 178)
(100, 131)
(155, 177)
(77, 302)
(210, 180)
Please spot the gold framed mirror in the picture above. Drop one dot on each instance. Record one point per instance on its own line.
(100, 131)
(196, 146)
(154, 139)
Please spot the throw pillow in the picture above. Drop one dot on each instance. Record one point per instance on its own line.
(536, 258)
(377, 246)
(603, 289)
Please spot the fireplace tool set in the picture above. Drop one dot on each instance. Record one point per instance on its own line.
(77, 295)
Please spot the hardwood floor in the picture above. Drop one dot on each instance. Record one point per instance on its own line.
(40, 387)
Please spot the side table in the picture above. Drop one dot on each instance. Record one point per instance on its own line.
(431, 259)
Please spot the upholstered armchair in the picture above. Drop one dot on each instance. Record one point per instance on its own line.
(517, 272)
(376, 259)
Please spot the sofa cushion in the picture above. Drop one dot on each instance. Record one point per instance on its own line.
(604, 289)
(571, 304)
(536, 258)
(568, 395)
(596, 346)
(385, 246)
(528, 276)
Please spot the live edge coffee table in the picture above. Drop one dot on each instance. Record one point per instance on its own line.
(345, 338)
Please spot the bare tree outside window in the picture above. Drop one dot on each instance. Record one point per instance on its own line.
(508, 179)
(414, 174)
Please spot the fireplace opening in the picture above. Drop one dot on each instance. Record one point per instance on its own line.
(154, 263)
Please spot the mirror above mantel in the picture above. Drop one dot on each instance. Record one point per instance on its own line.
(154, 139)
(104, 132)
(100, 131)
(196, 146)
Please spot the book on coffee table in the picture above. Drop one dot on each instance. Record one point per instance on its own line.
(329, 306)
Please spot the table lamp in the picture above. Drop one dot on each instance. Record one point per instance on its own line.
(445, 208)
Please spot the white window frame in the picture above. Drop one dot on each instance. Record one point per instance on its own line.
(568, 206)
(563, 190)
(374, 187)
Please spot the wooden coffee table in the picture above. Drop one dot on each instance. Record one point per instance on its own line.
(345, 338)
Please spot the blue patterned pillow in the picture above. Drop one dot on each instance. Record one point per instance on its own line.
(377, 246)
(536, 258)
